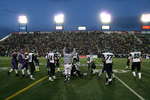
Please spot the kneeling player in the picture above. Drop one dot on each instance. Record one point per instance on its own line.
(75, 68)
(136, 63)
(108, 67)
(51, 66)
(91, 64)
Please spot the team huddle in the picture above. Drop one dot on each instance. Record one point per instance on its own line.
(27, 63)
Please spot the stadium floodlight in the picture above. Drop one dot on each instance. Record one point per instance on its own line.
(59, 19)
(23, 19)
(145, 18)
(105, 17)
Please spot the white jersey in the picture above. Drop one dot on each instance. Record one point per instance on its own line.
(51, 57)
(75, 55)
(136, 56)
(90, 58)
(108, 57)
(68, 57)
(31, 57)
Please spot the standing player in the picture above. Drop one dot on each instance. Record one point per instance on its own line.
(107, 59)
(88, 62)
(25, 65)
(14, 64)
(128, 61)
(57, 58)
(51, 66)
(37, 62)
(31, 64)
(103, 66)
(68, 58)
(136, 60)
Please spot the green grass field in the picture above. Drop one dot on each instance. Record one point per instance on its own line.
(87, 88)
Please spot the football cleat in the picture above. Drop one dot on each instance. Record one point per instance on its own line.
(50, 79)
(32, 78)
(54, 77)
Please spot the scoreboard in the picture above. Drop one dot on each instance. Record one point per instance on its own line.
(146, 27)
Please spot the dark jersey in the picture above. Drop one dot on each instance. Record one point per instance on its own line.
(21, 58)
(14, 57)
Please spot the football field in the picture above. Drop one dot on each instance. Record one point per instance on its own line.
(90, 87)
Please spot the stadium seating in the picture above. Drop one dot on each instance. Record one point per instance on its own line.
(84, 41)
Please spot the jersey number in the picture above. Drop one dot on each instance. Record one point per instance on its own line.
(136, 55)
(109, 57)
(51, 57)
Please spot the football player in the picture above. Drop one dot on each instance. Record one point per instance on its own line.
(37, 62)
(25, 65)
(31, 64)
(75, 68)
(51, 66)
(76, 56)
(136, 60)
(128, 62)
(91, 64)
(107, 59)
(103, 66)
(68, 58)
(88, 62)
(57, 58)
(14, 64)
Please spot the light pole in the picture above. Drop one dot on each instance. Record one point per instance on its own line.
(105, 19)
(59, 21)
(23, 21)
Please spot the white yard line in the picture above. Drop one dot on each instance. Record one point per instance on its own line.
(3, 68)
(135, 93)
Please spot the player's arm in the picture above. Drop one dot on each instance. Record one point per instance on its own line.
(27, 57)
(74, 51)
(34, 59)
(64, 50)
(131, 59)
(141, 59)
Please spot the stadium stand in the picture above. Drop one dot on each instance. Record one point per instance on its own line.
(84, 41)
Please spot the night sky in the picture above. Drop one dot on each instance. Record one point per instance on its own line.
(125, 13)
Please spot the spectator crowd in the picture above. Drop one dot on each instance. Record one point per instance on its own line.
(84, 41)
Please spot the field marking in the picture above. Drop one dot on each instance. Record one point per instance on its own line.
(26, 88)
(135, 93)
(3, 68)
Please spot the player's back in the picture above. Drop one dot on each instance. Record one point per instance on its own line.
(31, 57)
(108, 57)
(136, 56)
(50, 57)
(68, 58)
